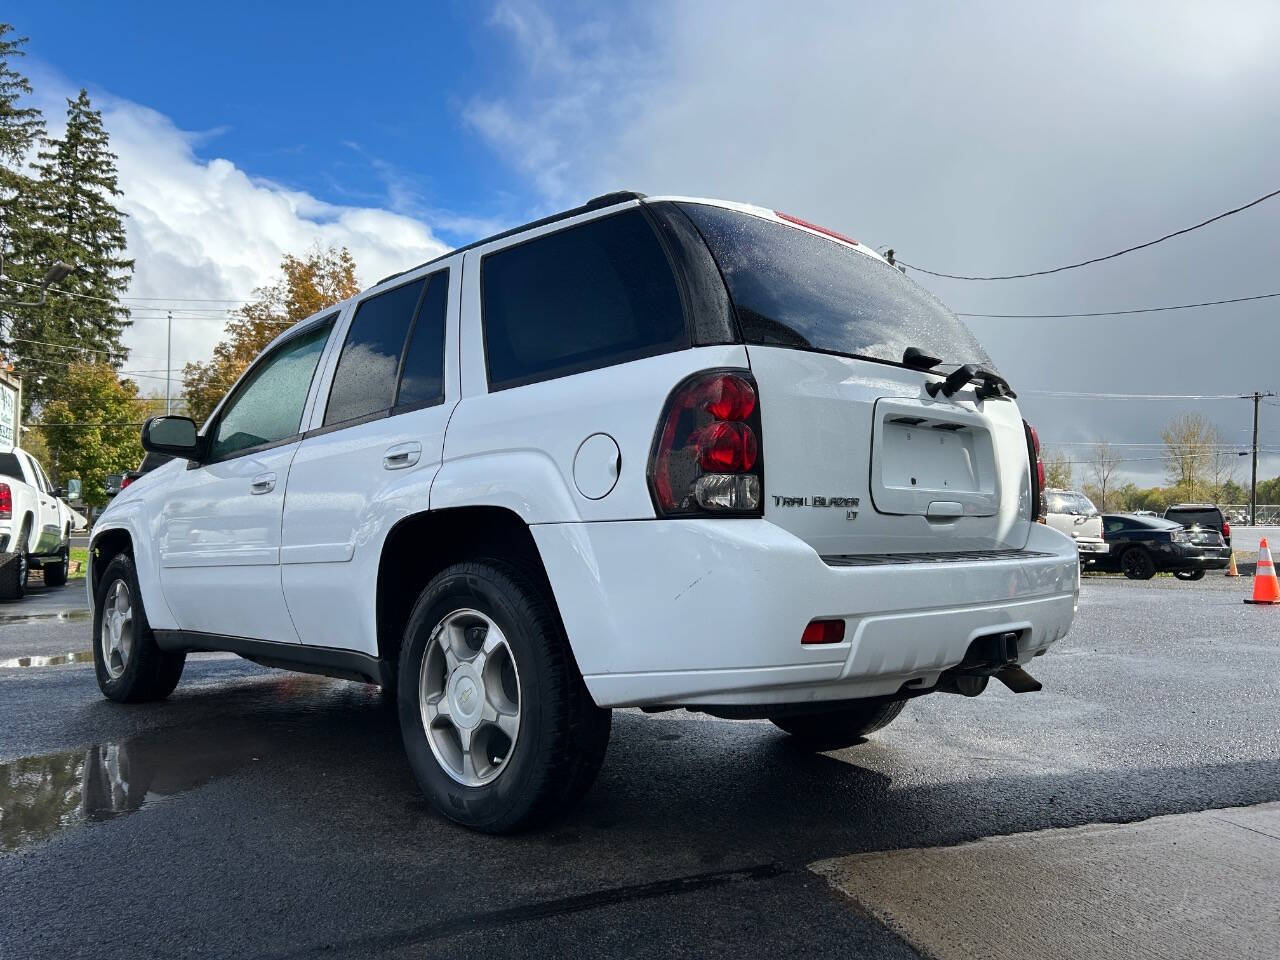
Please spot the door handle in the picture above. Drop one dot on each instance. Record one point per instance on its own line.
(402, 455)
(263, 483)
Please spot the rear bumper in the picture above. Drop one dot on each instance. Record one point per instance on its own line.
(694, 612)
(1197, 558)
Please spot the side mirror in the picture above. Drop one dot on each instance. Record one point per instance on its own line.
(60, 492)
(73, 488)
(175, 436)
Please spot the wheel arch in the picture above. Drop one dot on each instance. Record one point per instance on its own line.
(420, 545)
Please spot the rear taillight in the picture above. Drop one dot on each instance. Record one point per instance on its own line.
(1226, 529)
(706, 451)
(6, 502)
(125, 481)
(1037, 471)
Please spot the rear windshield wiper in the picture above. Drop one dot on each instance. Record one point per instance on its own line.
(917, 359)
(991, 386)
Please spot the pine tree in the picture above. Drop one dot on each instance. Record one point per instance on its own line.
(76, 221)
(21, 130)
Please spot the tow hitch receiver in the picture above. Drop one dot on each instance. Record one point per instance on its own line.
(995, 655)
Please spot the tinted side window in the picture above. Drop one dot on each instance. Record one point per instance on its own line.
(422, 380)
(268, 405)
(578, 299)
(364, 382)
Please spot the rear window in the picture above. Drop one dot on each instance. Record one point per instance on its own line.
(1078, 504)
(792, 288)
(579, 299)
(9, 466)
(1156, 523)
(1189, 518)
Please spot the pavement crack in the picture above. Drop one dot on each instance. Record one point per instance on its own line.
(1261, 833)
(561, 906)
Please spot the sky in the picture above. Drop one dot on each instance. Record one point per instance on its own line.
(976, 138)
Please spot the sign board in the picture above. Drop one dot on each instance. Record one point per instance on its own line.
(8, 416)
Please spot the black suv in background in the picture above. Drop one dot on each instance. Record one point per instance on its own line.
(1140, 547)
(1203, 515)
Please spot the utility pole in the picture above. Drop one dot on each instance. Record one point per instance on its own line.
(168, 401)
(1256, 397)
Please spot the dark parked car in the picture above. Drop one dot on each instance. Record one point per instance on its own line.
(149, 463)
(1205, 516)
(1143, 546)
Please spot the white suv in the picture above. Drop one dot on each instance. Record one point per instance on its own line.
(650, 452)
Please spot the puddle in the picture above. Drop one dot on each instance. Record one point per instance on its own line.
(80, 656)
(42, 795)
(63, 616)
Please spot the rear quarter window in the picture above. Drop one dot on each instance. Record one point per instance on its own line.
(590, 296)
(9, 467)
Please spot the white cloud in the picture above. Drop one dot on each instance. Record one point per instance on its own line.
(208, 229)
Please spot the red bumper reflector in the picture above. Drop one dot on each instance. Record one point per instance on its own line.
(823, 631)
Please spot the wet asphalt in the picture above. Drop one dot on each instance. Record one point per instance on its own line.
(260, 813)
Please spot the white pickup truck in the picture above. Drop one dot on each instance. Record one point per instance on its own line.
(35, 525)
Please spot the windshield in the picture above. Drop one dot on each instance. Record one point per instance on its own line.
(792, 288)
(1077, 504)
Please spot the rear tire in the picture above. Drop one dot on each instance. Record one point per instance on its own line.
(834, 729)
(1137, 564)
(1189, 574)
(55, 574)
(131, 668)
(15, 568)
(497, 723)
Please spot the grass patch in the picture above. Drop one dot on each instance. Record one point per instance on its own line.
(79, 555)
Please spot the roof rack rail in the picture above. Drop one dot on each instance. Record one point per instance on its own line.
(595, 203)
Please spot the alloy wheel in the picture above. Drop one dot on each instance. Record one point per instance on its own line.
(469, 697)
(116, 635)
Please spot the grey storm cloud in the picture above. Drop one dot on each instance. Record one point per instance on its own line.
(972, 138)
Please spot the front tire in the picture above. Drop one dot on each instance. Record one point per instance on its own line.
(833, 729)
(1137, 564)
(497, 723)
(131, 668)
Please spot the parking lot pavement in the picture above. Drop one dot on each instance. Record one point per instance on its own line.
(258, 813)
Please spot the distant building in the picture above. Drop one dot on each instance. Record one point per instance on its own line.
(10, 406)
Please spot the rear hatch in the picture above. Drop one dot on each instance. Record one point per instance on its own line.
(859, 459)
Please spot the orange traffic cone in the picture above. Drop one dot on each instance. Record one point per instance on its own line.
(1231, 567)
(1266, 588)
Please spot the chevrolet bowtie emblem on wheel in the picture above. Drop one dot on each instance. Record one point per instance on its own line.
(848, 504)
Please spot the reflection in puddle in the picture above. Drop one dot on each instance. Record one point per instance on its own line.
(44, 794)
(64, 616)
(80, 656)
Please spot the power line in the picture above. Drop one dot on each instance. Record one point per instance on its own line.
(117, 300)
(1115, 313)
(1076, 395)
(1091, 260)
